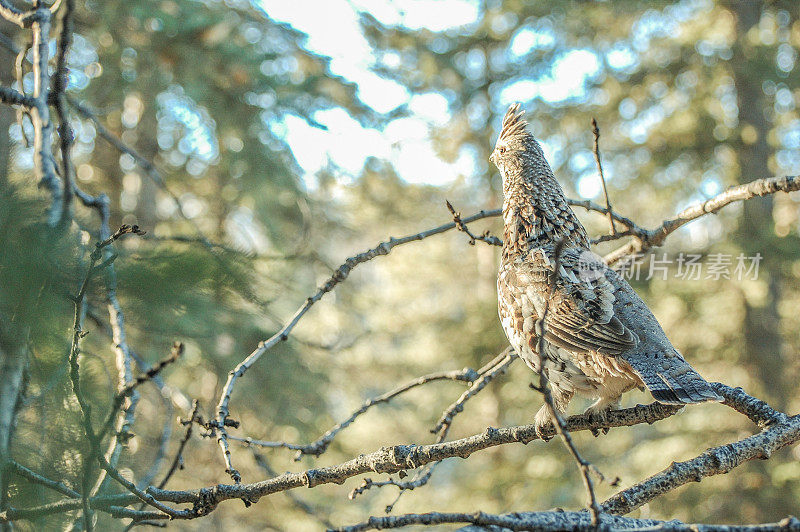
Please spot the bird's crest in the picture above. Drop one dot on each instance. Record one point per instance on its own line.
(513, 123)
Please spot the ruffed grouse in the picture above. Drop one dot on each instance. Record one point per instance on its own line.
(600, 339)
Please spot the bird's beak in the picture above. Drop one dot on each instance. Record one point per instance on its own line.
(491, 157)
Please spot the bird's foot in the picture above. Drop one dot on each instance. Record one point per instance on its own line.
(599, 412)
(541, 420)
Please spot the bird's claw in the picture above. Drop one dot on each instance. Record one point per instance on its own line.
(542, 420)
(544, 437)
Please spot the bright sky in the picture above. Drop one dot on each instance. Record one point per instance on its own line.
(333, 30)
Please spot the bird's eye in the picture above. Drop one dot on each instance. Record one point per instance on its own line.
(502, 149)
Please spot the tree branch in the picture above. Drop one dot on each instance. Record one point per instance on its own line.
(341, 273)
(386, 460)
(319, 446)
(714, 461)
(545, 389)
(655, 237)
(555, 521)
(596, 150)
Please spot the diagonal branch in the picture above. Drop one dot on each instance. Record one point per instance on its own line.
(461, 226)
(655, 237)
(494, 368)
(341, 273)
(714, 461)
(545, 388)
(319, 446)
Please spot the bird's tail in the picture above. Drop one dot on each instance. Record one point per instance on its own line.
(673, 381)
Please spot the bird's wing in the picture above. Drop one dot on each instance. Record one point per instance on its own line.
(580, 311)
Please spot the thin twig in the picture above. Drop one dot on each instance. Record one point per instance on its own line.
(24, 472)
(341, 273)
(461, 226)
(501, 364)
(596, 150)
(655, 237)
(496, 367)
(77, 335)
(177, 462)
(127, 391)
(318, 447)
(545, 389)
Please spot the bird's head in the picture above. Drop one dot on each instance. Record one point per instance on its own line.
(517, 154)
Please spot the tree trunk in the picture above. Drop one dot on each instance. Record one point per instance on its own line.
(762, 340)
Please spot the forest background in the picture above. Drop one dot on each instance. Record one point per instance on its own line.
(296, 134)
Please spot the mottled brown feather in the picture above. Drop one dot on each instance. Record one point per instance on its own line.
(600, 338)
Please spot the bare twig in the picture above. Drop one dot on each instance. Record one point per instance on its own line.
(545, 389)
(77, 335)
(496, 367)
(127, 391)
(341, 273)
(461, 226)
(655, 237)
(501, 364)
(596, 150)
(178, 461)
(60, 487)
(319, 446)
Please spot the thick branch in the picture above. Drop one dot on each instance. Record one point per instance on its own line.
(386, 460)
(555, 521)
(715, 461)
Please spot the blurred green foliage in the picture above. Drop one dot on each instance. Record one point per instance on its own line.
(691, 97)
